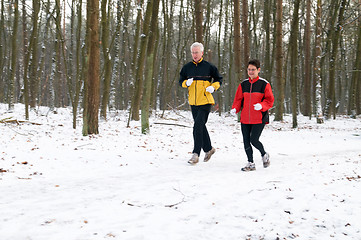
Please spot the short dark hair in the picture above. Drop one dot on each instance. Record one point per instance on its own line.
(255, 62)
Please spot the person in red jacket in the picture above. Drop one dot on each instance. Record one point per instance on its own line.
(253, 98)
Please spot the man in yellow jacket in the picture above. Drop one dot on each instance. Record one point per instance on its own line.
(201, 78)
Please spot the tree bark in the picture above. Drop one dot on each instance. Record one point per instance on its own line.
(317, 68)
(14, 52)
(308, 62)
(198, 11)
(150, 68)
(140, 63)
(107, 61)
(93, 82)
(294, 62)
(237, 40)
(280, 95)
(245, 31)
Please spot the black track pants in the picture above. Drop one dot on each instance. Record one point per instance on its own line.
(200, 132)
(251, 134)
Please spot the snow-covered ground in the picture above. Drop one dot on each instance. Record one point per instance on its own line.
(56, 184)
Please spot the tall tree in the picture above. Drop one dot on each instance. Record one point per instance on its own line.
(294, 62)
(280, 95)
(237, 40)
(317, 68)
(140, 63)
(106, 56)
(198, 11)
(267, 53)
(150, 67)
(354, 94)
(331, 96)
(14, 52)
(245, 32)
(90, 122)
(34, 82)
(26, 62)
(308, 63)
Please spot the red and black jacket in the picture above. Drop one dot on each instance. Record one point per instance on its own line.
(250, 92)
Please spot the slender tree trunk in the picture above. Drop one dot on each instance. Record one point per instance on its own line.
(198, 11)
(26, 62)
(317, 69)
(2, 54)
(107, 60)
(78, 63)
(150, 67)
(280, 95)
(267, 56)
(294, 62)
(93, 81)
(331, 96)
(140, 64)
(237, 40)
(353, 108)
(308, 62)
(246, 41)
(34, 83)
(14, 52)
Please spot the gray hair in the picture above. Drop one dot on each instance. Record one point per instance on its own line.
(197, 44)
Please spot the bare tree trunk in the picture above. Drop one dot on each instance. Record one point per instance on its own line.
(308, 62)
(317, 71)
(354, 92)
(14, 52)
(26, 63)
(280, 95)
(78, 63)
(237, 40)
(93, 82)
(245, 31)
(267, 55)
(138, 91)
(150, 67)
(107, 60)
(2, 54)
(198, 11)
(294, 67)
(34, 83)
(220, 94)
(331, 96)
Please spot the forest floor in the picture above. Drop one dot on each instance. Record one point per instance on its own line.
(56, 184)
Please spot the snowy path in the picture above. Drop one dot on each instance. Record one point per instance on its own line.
(58, 184)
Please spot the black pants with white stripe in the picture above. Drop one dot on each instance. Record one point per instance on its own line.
(251, 134)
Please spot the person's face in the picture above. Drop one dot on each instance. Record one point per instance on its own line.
(253, 71)
(196, 54)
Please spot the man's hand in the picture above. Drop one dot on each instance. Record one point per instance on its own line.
(233, 111)
(189, 81)
(210, 89)
(257, 106)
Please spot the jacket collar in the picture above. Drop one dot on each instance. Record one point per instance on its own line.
(196, 63)
(253, 80)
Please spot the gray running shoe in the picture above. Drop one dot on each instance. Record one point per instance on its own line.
(266, 161)
(194, 159)
(249, 167)
(209, 154)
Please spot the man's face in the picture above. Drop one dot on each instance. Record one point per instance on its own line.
(196, 54)
(253, 71)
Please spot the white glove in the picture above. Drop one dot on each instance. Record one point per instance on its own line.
(189, 81)
(257, 106)
(233, 111)
(210, 89)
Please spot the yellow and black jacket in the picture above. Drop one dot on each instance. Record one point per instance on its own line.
(202, 73)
